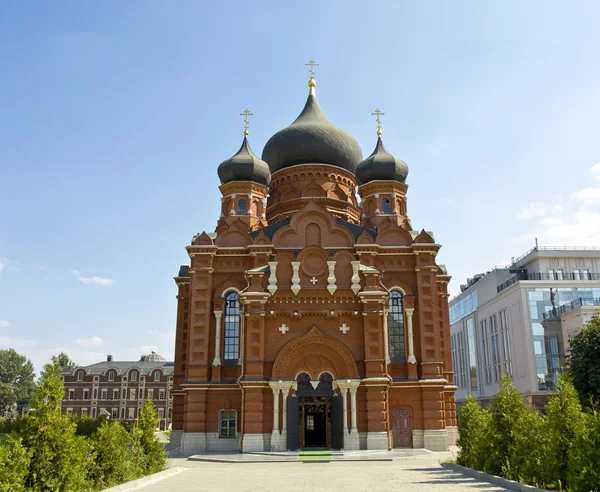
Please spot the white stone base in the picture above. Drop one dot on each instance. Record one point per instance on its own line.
(362, 440)
(193, 442)
(377, 440)
(252, 443)
(418, 441)
(279, 441)
(175, 441)
(435, 439)
(351, 441)
(452, 436)
(216, 443)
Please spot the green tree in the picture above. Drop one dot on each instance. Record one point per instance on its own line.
(14, 464)
(565, 424)
(583, 359)
(472, 426)
(62, 362)
(60, 459)
(16, 377)
(584, 458)
(155, 456)
(506, 416)
(112, 455)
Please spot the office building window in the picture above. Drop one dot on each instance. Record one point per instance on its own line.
(486, 351)
(505, 336)
(472, 354)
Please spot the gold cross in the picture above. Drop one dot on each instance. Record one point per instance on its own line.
(311, 64)
(377, 114)
(245, 114)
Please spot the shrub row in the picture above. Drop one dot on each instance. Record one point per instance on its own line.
(558, 449)
(47, 450)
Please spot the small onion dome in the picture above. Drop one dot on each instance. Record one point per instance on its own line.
(312, 139)
(244, 166)
(381, 165)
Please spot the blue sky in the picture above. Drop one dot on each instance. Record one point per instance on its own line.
(115, 116)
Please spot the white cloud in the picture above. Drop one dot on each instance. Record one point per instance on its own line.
(4, 323)
(3, 263)
(97, 280)
(566, 221)
(595, 170)
(75, 272)
(89, 342)
(17, 343)
(588, 196)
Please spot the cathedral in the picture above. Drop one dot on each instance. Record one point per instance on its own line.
(312, 317)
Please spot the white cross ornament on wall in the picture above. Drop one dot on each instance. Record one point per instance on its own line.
(344, 328)
(284, 329)
(313, 280)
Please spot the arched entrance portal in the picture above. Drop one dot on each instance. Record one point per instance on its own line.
(315, 415)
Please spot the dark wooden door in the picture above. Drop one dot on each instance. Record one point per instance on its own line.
(402, 427)
(337, 423)
(293, 423)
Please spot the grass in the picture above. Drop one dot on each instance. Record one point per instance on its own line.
(323, 456)
(168, 434)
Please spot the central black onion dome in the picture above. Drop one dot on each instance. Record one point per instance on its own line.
(244, 166)
(381, 165)
(312, 139)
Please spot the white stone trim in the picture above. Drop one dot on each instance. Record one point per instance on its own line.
(377, 440)
(252, 443)
(435, 439)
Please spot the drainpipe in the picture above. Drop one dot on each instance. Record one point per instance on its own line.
(242, 339)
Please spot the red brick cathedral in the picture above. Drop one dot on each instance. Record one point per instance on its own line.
(310, 318)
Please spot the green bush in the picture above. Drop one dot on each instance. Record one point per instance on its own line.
(14, 464)
(154, 451)
(472, 424)
(584, 455)
(112, 463)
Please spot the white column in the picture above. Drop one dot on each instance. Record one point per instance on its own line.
(344, 391)
(386, 336)
(353, 427)
(295, 277)
(411, 348)
(217, 359)
(276, 391)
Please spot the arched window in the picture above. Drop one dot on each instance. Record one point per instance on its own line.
(227, 423)
(396, 328)
(385, 206)
(241, 207)
(232, 326)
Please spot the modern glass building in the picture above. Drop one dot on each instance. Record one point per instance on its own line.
(517, 321)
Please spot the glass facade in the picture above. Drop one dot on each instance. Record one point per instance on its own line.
(547, 336)
(463, 308)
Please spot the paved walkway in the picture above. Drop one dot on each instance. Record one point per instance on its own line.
(416, 473)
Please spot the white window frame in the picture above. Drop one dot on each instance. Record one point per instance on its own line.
(71, 394)
(79, 376)
(84, 412)
(156, 375)
(116, 392)
(150, 394)
(114, 413)
(86, 394)
(131, 413)
(161, 394)
(133, 376)
(111, 375)
(104, 394)
(228, 428)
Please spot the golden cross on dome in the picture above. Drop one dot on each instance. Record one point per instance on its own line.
(311, 64)
(377, 114)
(245, 114)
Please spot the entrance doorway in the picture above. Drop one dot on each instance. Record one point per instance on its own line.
(315, 422)
(402, 427)
(315, 415)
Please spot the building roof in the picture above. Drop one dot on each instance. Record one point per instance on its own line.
(146, 364)
(381, 165)
(244, 165)
(312, 139)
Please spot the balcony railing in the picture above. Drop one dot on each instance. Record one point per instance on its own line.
(546, 276)
(555, 248)
(569, 306)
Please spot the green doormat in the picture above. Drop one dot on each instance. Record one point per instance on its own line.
(317, 456)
